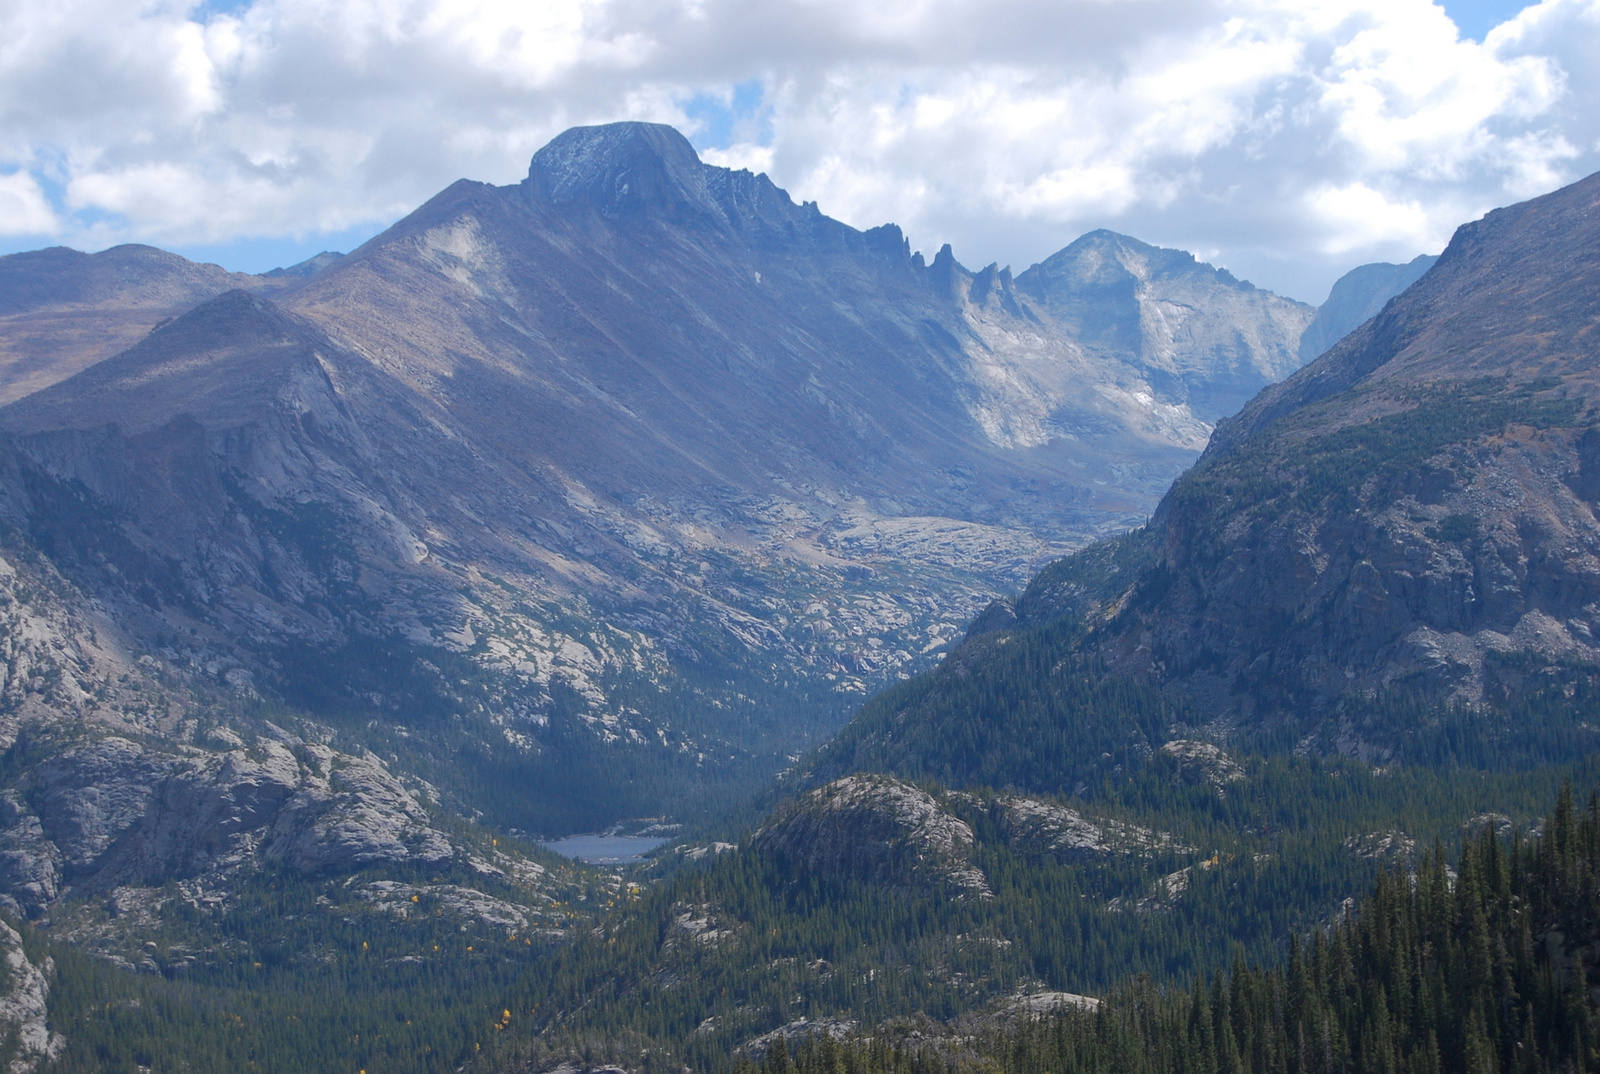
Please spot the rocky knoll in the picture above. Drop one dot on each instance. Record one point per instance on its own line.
(885, 831)
(635, 456)
(875, 829)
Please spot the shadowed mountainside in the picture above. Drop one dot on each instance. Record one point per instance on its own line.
(1356, 297)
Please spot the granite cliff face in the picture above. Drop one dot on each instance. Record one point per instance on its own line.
(24, 1006)
(136, 800)
(636, 456)
(109, 812)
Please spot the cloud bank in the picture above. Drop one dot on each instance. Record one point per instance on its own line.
(1287, 139)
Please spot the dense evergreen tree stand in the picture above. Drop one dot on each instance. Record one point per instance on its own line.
(1495, 968)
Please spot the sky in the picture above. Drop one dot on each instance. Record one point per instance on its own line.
(1287, 140)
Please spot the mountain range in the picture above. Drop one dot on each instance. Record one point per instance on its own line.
(1358, 625)
(611, 493)
(635, 466)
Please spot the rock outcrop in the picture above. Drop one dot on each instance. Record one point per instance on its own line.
(875, 829)
(1036, 826)
(24, 1010)
(112, 812)
(1203, 762)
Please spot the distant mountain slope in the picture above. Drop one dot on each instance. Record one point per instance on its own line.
(61, 311)
(1357, 296)
(594, 493)
(1393, 553)
(1197, 335)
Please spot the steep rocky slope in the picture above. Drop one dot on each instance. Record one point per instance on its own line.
(24, 1007)
(1415, 510)
(635, 465)
(121, 779)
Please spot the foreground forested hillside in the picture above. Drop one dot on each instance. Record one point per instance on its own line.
(1490, 966)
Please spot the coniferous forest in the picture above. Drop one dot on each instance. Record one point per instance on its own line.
(1487, 965)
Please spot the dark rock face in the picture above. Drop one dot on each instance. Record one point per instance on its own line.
(89, 796)
(1358, 296)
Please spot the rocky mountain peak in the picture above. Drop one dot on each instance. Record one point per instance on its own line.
(648, 171)
(680, 420)
(1106, 259)
(1171, 316)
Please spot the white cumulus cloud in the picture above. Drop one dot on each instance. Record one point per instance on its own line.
(1288, 139)
(23, 208)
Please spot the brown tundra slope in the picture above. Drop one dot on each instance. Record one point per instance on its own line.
(62, 311)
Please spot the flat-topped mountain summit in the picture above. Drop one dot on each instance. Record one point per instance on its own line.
(637, 169)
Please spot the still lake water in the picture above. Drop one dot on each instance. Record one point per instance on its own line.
(605, 849)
